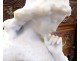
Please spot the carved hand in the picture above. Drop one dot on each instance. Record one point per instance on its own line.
(54, 45)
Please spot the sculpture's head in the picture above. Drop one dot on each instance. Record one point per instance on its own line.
(44, 16)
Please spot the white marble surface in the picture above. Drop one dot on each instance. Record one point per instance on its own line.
(32, 24)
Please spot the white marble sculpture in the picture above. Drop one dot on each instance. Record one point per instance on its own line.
(26, 36)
